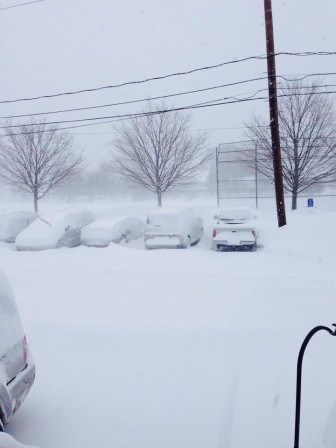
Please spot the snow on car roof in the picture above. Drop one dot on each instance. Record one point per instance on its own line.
(236, 213)
(107, 222)
(165, 211)
(168, 211)
(72, 217)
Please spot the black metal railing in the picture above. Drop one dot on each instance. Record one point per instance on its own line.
(332, 332)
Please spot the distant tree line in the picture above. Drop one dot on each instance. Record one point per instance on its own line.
(157, 151)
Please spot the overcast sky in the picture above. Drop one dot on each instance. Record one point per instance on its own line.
(64, 45)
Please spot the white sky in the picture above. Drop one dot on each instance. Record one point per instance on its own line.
(63, 45)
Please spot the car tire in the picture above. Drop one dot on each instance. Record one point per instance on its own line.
(61, 244)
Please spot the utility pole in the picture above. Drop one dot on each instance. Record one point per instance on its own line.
(274, 123)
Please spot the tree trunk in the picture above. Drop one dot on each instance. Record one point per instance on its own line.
(159, 198)
(294, 200)
(35, 203)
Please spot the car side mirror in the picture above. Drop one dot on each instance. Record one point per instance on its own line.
(216, 217)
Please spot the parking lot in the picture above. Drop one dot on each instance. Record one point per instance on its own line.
(177, 348)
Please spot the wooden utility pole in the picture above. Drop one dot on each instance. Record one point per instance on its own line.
(274, 123)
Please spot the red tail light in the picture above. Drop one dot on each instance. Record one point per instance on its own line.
(25, 350)
(214, 233)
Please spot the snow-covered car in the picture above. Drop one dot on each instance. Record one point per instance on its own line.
(55, 229)
(12, 224)
(173, 228)
(234, 229)
(104, 231)
(17, 368)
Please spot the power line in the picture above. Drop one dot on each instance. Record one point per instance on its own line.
(139, 100)
(189, 130)
(136, 115)
(211, 103)
(171, 96)
(118, 118)
(21, 4)
(304, 76)
(269, 159)
(156, 78)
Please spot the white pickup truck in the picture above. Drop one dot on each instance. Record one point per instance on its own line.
(234, 229)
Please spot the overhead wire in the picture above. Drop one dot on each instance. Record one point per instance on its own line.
(211, 103)
(122, 103)
(214, 102)
(78, 109)
(21, 4)
(182, 73)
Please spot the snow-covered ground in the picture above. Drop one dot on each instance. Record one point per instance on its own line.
(180, 348)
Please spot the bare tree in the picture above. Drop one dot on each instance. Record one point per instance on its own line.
(35, 157)
(308, 138)
(156, 150)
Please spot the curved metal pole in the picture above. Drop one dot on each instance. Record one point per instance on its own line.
(299, 376)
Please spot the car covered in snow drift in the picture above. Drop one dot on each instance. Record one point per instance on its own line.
(173, 228)
(61, 228)
(234, 229)
(104, 231)
(17, 368)
(11, 224)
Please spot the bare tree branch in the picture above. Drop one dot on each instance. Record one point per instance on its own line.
(36, 158)
(158, 152)
(308, 139)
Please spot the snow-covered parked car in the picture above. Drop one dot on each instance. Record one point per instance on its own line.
(173, 228)
(11, 224)
(104, 231)
(17, 368)
(234, 229)
(55, 229)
